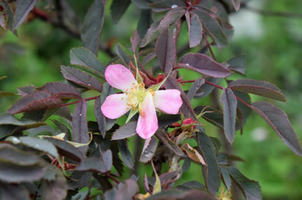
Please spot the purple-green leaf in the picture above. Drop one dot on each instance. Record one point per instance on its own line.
(250, 188)
(238, 64)
(226, 178)
(148, 150)
(278, 120)
(54, 189)
(186, 107)
(9, 16)
(122, 54)
(67, 150)
(126, 190)
(229, 102)
(81, 78)
(79, 125)
(194, 29)
(61, 90)
(203, 64)
(212, 27)
(157, 27)
(87, 61)
(125, 131)
(13, 191)
(164, 5)
(135, 40)
(261, 88)
(165, 51)
(162, 136)
(93, 25)
(243, 110)
(211, 172)
(118, 8)
(20, 166)
(2, 21)
(23, 7)
(125, 153)
(35, 101)
(235, 3)
(144, 22)
(102, 164)
(195, 87)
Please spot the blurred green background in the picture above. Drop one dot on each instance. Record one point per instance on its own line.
(273, 47)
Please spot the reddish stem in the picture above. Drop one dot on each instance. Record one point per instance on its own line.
(208, 44)
(243, 102)
(112, 178)
(213, 84)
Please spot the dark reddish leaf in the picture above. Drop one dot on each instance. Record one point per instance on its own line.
(194, 29)
(79, 125)
(13, 191)
(157, 27)
(81, 78)
(20, 166)
(229, 102)
(212, 27)
(99, 116)
(2, 22)
(135, 40)
(167, 119)
(23, 91)
(162, 136)
(125, 131)
(168, 177)
(211, 171)
(165, 51)
(144, 22)
(261, 88)
(236, 4)
(35, 101)
(186, 107)
(203, 64)
(9, 16)
(125, 153)
(148, 58)
(126, 190)
(23, 7)
(250, 188)
(92, 28)
(54, 189)
(118, 8)
(244, 111)
(278, 120)
(122, 54)
(195, 87)
(87, 61)
(67, 150)
(238, 64)
(148, 149)
(102, 164)
(61, 90)
(206, 89)
(166, 5)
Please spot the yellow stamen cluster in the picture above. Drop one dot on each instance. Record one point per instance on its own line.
(136, 95)
(225, 194)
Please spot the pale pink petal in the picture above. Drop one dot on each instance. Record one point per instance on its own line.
(115, 106)
(119, 77)
(168, 101)
(147, 120)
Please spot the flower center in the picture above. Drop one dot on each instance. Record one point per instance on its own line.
(136, 96)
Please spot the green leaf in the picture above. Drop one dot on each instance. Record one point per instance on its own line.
(54, 189)
(125, 131)
(226, 178)
(229, 102)
(165, 51)
(144, 21)
(186, 107)
(81, 78)
(278, 120)
(87, 61)
(122, 54)
(249, 188)
(118, 8)
(20, 166)
(194, 29)
(23, 7)
(211, 172)
(79, 125)
(125, 153)
(162, 136)
(203, 64)
(261, 88)
(92, 28)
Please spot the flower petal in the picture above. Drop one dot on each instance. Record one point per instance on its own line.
(115, 106)
(119, 77)
(147, 121)
(168, 101)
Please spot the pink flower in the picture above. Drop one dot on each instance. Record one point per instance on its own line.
(136, 98)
